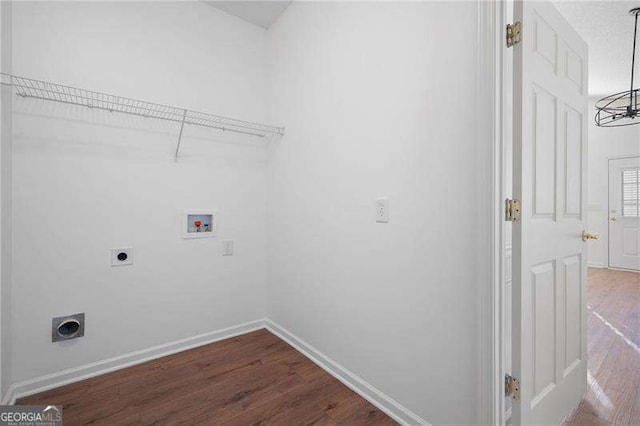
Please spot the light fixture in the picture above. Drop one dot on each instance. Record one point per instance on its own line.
(621, 109)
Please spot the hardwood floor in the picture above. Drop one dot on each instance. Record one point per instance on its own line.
(253, 379)
(613, 307)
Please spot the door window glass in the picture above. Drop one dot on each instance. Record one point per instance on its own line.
(631, 192)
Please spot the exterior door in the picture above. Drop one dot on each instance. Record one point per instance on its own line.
(549, 178)
(624, 213)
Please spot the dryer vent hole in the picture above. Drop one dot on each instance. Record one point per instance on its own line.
(69, 328)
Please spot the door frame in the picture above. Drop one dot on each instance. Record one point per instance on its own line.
(609, 159)
(491, 118)
(491, 32)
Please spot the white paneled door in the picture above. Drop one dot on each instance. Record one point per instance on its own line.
(624, 213)
(549, 178)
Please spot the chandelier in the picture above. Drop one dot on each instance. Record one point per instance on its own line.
(621, 109)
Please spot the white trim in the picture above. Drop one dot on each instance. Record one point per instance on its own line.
(54, 380)
(620, 269)
(384, 402)
(9, 397)
(6, 149)
(622, 157)
(492, 238)
(596, 265)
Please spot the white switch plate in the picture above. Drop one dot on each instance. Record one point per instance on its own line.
(382, 210)
(122, 256)
(227, 247)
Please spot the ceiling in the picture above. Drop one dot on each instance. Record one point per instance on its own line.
(605, 25)
(607, 28)
(260, 13)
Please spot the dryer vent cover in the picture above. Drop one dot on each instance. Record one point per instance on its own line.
(67, 327)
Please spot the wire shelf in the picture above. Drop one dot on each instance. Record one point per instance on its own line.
(28, 87)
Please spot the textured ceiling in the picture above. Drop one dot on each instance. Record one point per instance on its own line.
(262, 13)
(607, 28)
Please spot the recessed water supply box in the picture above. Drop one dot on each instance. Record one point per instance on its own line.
(67, 327)
(200, 224)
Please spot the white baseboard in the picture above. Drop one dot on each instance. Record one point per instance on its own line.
(54, 380)
(384, 402)
(596, 265)
(376, 397)
(621, 269)
(9, 397)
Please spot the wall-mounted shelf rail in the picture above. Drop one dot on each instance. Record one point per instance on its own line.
(28, 87)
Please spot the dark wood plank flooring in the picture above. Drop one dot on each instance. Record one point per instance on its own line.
(253, 379)
(613, 300)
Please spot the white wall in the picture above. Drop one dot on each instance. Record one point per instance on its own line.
(604, 143)
(378, 100)
(86, 181)
(376, 103)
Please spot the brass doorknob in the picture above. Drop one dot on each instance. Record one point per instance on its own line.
(612, 218)
(587, 236)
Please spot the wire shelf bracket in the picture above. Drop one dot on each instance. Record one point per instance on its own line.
(38, 89)
(184, 117)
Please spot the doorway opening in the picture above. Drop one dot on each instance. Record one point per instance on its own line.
(613, 301)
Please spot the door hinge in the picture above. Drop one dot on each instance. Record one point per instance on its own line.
(512, 210)
(513, 33)
(511, 387)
